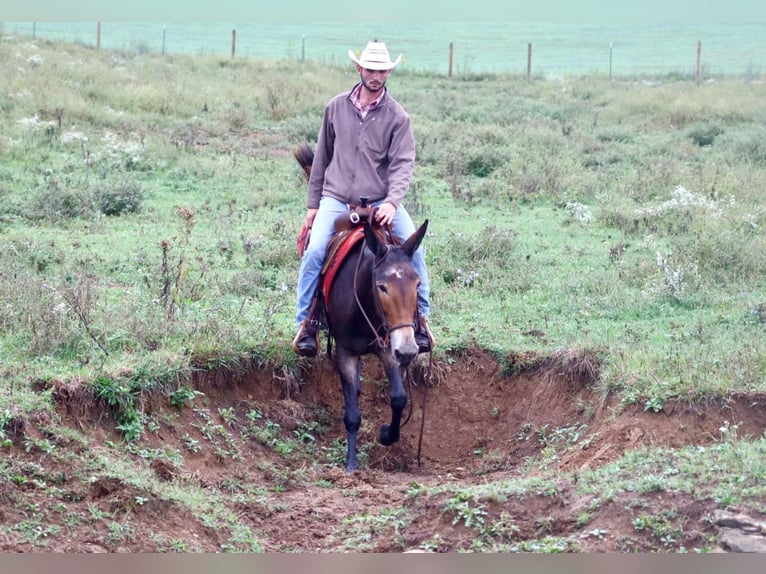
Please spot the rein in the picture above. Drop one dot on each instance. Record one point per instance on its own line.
(411, 384)
(382, 342)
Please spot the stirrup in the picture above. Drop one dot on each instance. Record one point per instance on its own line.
(423, 336)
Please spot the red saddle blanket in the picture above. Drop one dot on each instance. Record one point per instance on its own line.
(337, 251)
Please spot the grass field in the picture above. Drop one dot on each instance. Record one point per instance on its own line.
(144, 217)
(149, 206)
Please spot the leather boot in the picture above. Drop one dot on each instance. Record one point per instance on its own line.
(306, 342)
(423, 336)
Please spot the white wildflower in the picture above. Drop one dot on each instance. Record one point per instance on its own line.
(682, 197)
(472, 277)
(579, 212)
(674, 280)
(69, 137)
(34, 123)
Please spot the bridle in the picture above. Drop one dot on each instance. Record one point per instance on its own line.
(382, 342)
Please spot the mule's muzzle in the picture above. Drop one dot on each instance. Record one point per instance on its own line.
(402, 342)
(404, 358)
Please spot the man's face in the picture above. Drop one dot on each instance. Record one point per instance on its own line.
(373, 80)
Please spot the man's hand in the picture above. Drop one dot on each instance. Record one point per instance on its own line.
(309, 219)
(384, 214)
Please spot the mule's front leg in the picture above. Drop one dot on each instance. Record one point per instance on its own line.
(389, 434)
(349, 371)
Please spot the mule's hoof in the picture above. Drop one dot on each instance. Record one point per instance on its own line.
(384, 436)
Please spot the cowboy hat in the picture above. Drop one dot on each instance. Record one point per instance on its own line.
(375, 57)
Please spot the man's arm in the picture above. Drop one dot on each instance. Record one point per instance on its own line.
(401, 153)
(322, 158)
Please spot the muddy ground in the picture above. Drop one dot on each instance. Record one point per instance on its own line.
(481, 425)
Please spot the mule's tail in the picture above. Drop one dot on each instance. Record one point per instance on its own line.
(305, 156)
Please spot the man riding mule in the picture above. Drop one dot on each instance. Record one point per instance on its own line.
(366, 148)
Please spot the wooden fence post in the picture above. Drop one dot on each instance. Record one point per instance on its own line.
(98, 36)
(699, 61)
(449, 73)
(233, 43)
(164, 32)
(529, 60)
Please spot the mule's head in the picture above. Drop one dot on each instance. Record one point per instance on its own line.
(395, 284)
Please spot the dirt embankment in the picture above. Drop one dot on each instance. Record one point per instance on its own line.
(480, 425)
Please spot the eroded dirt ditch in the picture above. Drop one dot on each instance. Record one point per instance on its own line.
(480, 425)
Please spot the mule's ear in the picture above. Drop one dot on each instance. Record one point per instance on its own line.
(413, 241)
(374, 241)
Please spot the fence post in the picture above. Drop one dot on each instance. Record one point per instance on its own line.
(529, 60)
(98, 36)
(303, 48)
(449, 73)
(610, 61)
(233, 43)
(164, 32)
(699, 60)
(34, 29)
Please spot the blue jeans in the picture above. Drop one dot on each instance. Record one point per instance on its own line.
(322, 231)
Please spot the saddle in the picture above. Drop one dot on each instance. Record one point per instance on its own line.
(340, 246)
(349, 230)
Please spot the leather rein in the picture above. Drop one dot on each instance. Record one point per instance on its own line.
(382, 342)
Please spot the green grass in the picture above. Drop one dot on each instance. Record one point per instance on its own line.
(151, 236)
(729, 473)
(148, 227)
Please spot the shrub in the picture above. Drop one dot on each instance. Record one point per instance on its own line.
(677, 214)
(747, 144)
(704, 134)
(60, 200)
(120, 198)
(462, 254)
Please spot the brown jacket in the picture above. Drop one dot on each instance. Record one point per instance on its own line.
(371, 157)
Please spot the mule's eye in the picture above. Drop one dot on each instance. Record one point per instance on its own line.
(383, 289)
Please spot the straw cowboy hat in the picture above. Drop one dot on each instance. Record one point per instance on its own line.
(375, 57)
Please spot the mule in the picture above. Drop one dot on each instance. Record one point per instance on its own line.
(371, 308)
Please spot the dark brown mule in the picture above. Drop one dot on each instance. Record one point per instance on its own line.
(371, 309)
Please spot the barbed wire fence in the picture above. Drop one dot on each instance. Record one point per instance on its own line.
(496, 50)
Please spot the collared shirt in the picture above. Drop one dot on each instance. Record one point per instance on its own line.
(358, 157)
(358, 104)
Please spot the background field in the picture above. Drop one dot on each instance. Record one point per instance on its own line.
(598, 266)
(479, 47)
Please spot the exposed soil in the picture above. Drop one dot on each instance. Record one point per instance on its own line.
(480, 426)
